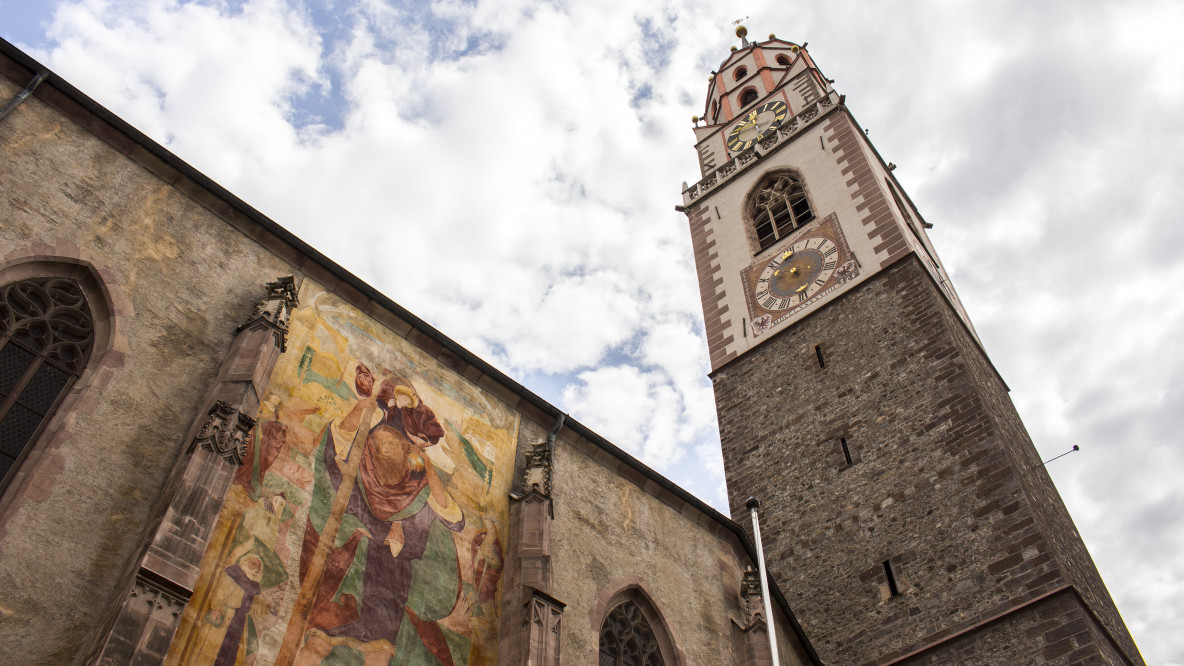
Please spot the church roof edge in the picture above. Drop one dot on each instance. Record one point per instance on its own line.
(68, 100)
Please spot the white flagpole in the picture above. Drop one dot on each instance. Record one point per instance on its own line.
(753, 504)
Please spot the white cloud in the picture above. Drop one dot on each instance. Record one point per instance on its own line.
(507, 170)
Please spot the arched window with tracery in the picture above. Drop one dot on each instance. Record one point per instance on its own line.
(778, 207)
(46, 336)
(626, 639)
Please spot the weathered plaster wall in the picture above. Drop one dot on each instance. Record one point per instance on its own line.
(608, 533)
(184, 279)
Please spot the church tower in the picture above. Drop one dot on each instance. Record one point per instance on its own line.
(906, 515)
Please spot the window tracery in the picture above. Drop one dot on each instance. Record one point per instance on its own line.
(778, 207)
(626, 639)
(46, 337)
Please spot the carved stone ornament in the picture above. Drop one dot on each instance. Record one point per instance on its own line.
(164, 605)
(275, 309)
(537, 474)
(225, 432)
(544, 615)
(750, 595)
(626, 638)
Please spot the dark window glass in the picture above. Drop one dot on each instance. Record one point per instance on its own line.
(46, 335)
(747, 97)
(14, 361)
(778, 208)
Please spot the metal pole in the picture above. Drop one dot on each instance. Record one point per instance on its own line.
(753, 504)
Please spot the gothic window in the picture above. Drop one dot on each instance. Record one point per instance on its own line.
(748, 97)
(626, 639)
(739, 73)
(778, 208)
(46, 335)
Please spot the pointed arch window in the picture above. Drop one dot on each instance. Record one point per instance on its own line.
(626, 639)
(46, 337)
(778, 207)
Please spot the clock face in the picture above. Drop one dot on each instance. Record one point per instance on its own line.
(758, 124)
(796, 273)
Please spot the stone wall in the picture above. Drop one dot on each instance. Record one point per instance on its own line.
(179, 281)
(609, 535)
(1057, 629)
(932, 490)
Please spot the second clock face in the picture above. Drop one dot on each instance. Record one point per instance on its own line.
(757, 125)
(796, 273)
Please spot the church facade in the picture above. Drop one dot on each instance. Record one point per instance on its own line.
(218, 446)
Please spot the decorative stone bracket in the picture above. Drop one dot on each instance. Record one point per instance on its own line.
(275, 310)
(197, 487)
(529, 628)
(750, 596)
(754, 630)
(225, 432)
(543, 613)
(536, 476)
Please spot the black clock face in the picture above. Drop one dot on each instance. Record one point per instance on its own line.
(758, 124)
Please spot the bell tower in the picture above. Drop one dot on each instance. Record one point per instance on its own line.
(906, 515)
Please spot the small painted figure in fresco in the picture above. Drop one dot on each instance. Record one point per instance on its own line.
(487, 556)
(270, 445)
(393, 571)
(232, 601)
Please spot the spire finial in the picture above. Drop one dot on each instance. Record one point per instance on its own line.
(741, 31)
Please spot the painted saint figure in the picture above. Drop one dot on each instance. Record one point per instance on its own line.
(392, 572)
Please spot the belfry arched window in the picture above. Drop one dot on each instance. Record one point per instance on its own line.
(778, 207)
(46, 336)
(626, 639)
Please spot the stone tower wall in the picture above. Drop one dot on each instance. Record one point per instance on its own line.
(934, 487)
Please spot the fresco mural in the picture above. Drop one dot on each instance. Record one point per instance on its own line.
(366, 524)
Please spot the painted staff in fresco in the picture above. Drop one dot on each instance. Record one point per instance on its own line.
(392, 571)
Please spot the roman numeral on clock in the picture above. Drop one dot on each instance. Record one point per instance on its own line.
(820, 282)
(829, 265)
(832, 250)
(769, 302)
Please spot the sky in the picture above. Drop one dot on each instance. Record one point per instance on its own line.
(508, 171)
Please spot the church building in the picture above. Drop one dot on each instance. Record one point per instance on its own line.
(217, 446)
